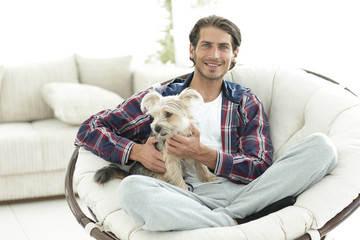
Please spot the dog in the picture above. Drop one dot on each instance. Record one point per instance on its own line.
(171, 115)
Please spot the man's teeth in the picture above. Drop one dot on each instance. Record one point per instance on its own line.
(212, 65)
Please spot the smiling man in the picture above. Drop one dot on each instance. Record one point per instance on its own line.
(213, 54)
(233, 141)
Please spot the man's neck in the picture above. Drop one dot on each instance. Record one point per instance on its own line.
(208, 88)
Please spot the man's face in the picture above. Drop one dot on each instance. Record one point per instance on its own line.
(213, 54)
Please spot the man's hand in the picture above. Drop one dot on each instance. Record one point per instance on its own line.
(184, 147)
(191, 147)
(148, 155)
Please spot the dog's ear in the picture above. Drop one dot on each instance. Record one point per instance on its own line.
(191, 96)
(149, 100)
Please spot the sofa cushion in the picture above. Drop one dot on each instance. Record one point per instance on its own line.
(26, 186)
(55, 151)
(31, 147)
(15, 159)
(73, 103)
(113, 74)
(20, 98)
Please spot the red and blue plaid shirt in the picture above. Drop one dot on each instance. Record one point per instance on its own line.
(247, 148)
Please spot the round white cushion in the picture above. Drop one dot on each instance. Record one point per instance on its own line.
(297, 104)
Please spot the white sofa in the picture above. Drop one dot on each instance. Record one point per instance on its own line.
(298, 104)
(43, 104)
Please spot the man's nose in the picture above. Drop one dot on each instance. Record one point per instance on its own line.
(214, 53)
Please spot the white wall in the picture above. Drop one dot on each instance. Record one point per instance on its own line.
(32, 30)
(319, 35)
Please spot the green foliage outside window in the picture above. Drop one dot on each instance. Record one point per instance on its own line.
(167, 52)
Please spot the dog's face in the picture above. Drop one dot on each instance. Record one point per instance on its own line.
(172, 114)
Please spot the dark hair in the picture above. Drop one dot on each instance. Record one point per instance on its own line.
(218, 22)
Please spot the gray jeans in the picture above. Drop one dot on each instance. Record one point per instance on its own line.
(159, 206)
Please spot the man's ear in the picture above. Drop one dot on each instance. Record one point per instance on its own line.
(149, 101)
(235, 55)
(192, 51)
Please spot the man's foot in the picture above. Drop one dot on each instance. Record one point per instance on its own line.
(276, 206)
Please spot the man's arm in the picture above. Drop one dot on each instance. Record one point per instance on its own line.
(120, 135)
(254, 150)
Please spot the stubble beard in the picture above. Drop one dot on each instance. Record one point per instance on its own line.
(208, 76)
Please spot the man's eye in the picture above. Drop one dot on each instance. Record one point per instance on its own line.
(168, 114)
(206, 45)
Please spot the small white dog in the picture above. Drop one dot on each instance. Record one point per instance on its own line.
(171, 115)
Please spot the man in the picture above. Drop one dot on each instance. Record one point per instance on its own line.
(233, 141)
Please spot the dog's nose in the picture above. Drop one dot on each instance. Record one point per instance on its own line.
(157, 128)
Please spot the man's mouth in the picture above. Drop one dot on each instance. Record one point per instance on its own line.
(212, 64)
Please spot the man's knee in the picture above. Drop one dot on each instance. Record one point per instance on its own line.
(325, 150)
(130, 188)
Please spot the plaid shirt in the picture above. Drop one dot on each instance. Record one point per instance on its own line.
(247, 147)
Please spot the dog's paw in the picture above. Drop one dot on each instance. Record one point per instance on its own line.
(102, 175)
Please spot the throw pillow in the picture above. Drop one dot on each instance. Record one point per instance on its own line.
(20, 98)
(73, 103)
(113, 74)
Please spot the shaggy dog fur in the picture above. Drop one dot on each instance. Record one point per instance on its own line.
(171, 115)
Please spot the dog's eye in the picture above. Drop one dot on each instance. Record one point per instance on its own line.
(168, 114)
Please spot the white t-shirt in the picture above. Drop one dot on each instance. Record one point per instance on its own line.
(208, 116)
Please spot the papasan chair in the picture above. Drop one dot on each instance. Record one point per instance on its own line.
(298, 103)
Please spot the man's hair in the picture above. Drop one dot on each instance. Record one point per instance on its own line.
(218, 22)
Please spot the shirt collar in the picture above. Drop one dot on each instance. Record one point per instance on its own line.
(232, 91)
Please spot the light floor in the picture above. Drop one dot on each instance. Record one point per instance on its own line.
(53, 220)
